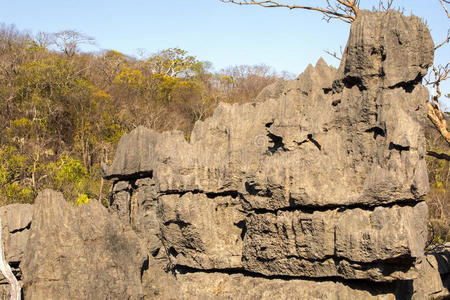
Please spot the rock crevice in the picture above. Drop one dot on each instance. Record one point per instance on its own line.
(325, 175)
(313, 191)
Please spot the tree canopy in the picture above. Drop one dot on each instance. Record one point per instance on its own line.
(63, 111)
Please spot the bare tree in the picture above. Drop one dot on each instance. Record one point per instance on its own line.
(44, 39)
(437, 76)
(344, 10)
(6, 270)
(382, 6)
(434, 114)
(68, 41)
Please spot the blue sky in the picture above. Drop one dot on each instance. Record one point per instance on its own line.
(221, 33)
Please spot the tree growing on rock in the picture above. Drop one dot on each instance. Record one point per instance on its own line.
(438, 75)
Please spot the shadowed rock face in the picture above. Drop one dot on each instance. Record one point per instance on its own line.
(80, 253)
(16, 221)
(323, 178)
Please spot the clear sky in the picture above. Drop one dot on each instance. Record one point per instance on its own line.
(224, 34)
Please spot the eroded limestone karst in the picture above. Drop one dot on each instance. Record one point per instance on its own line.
(324, 178)
(313, 191)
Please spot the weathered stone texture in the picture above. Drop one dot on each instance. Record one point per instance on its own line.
(349, 244)
(434, 279)
(285, 152)
(16, 221)
(80, 253)
(313, 191)
(389, 47)
(203, 233)
(238, 286)
(309, 182)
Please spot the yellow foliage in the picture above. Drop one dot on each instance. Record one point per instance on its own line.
(227, 79)
(130, 77)
(33, 47)
(20, 128)
(82, 199)
(101, 95)
(46, 77)
(15, 193)
(21, 123)
(114, 54)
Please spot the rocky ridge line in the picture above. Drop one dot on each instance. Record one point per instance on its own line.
(313, 191)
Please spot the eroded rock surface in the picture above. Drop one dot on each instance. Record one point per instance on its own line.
(80, 253)
(16, 221)
(322, 177)
(353, 244)
(313, 191)
(203, 233)
(238, 286)
(434, 279)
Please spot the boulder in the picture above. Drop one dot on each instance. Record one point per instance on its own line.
(80, 253)
(434, 279)
(16, 221)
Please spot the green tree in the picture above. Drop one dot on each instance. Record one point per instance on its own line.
(174, 62)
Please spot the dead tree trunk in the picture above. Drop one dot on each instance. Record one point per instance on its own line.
(6, 270)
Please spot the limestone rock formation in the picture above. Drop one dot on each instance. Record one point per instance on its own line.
(322, 179)
(80, 253)
(282, 152)
(202, 233)
(313, 191)
(16, 220)
(353, 244)
(434, 279)
(389, 48)
(238, 286)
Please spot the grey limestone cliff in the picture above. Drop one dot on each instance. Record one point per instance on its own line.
(313, 191)
(322, 179)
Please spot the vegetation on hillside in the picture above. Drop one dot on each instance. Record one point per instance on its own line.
(62, 112)
(438, 198)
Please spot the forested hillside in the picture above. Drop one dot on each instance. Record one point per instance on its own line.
(63, 111)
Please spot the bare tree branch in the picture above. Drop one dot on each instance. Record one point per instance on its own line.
(434, 113)
(334, 54)
(385, 7)
(68, 41)
(6, 270)
(444, 42)
(445, 8)
(345, 10)
(436, 77)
